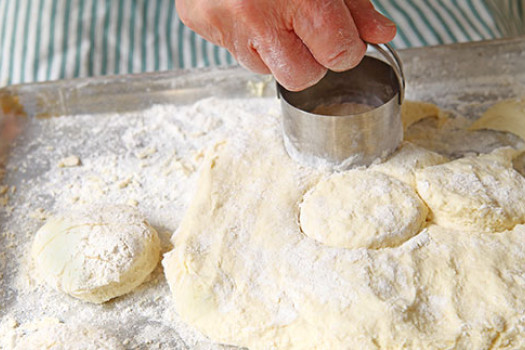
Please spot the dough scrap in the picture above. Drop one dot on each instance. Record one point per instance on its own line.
(97, 253)
(69, 162)
(508, 115)
(362, 209)
(414, 111)
(482, 193)
(406, 160)
(242, 272)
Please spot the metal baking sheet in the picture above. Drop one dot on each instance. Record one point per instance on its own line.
(465, 78)
(450, 75)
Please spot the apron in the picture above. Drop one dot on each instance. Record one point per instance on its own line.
(43, 40)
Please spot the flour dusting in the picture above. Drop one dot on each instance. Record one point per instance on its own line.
(150, 159)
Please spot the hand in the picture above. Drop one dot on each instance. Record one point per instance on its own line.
(295, 40)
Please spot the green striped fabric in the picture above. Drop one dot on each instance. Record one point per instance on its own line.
(58, 39)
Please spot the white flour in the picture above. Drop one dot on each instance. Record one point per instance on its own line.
(148, 159)
(95, 253)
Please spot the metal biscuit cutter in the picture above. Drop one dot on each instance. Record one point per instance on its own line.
(347, 119)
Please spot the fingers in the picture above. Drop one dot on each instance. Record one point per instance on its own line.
(295, 40)
(248, 57)
(273, 48)
(289, 60)
(204, 17)
(210, 21)
(373, 27)
(328, 30)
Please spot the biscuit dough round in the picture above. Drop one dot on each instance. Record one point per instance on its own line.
(482, 193)
(362, 209)
(97, 253)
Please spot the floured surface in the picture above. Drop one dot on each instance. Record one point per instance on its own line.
(243, 271)
(151, 159)
(147, 159)
(51, 334)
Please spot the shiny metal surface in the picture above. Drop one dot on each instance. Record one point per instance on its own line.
(395, 61)
(447, 75)
(348, 140)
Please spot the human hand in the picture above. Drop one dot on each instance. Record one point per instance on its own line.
(295, 40)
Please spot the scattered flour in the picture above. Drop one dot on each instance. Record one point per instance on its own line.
(149, 159)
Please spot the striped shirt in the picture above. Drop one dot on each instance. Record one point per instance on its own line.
(56, 39)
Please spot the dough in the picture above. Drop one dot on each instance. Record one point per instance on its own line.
(362, 209)
(243, 273)
(97, 253)
(51, 334)
(481, 193)
(508, 115)
(406, 160)
(414, 111)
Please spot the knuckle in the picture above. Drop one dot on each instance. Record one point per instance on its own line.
(346, 58)
(335, 59)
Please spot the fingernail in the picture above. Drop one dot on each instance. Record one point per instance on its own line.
(348, 58)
